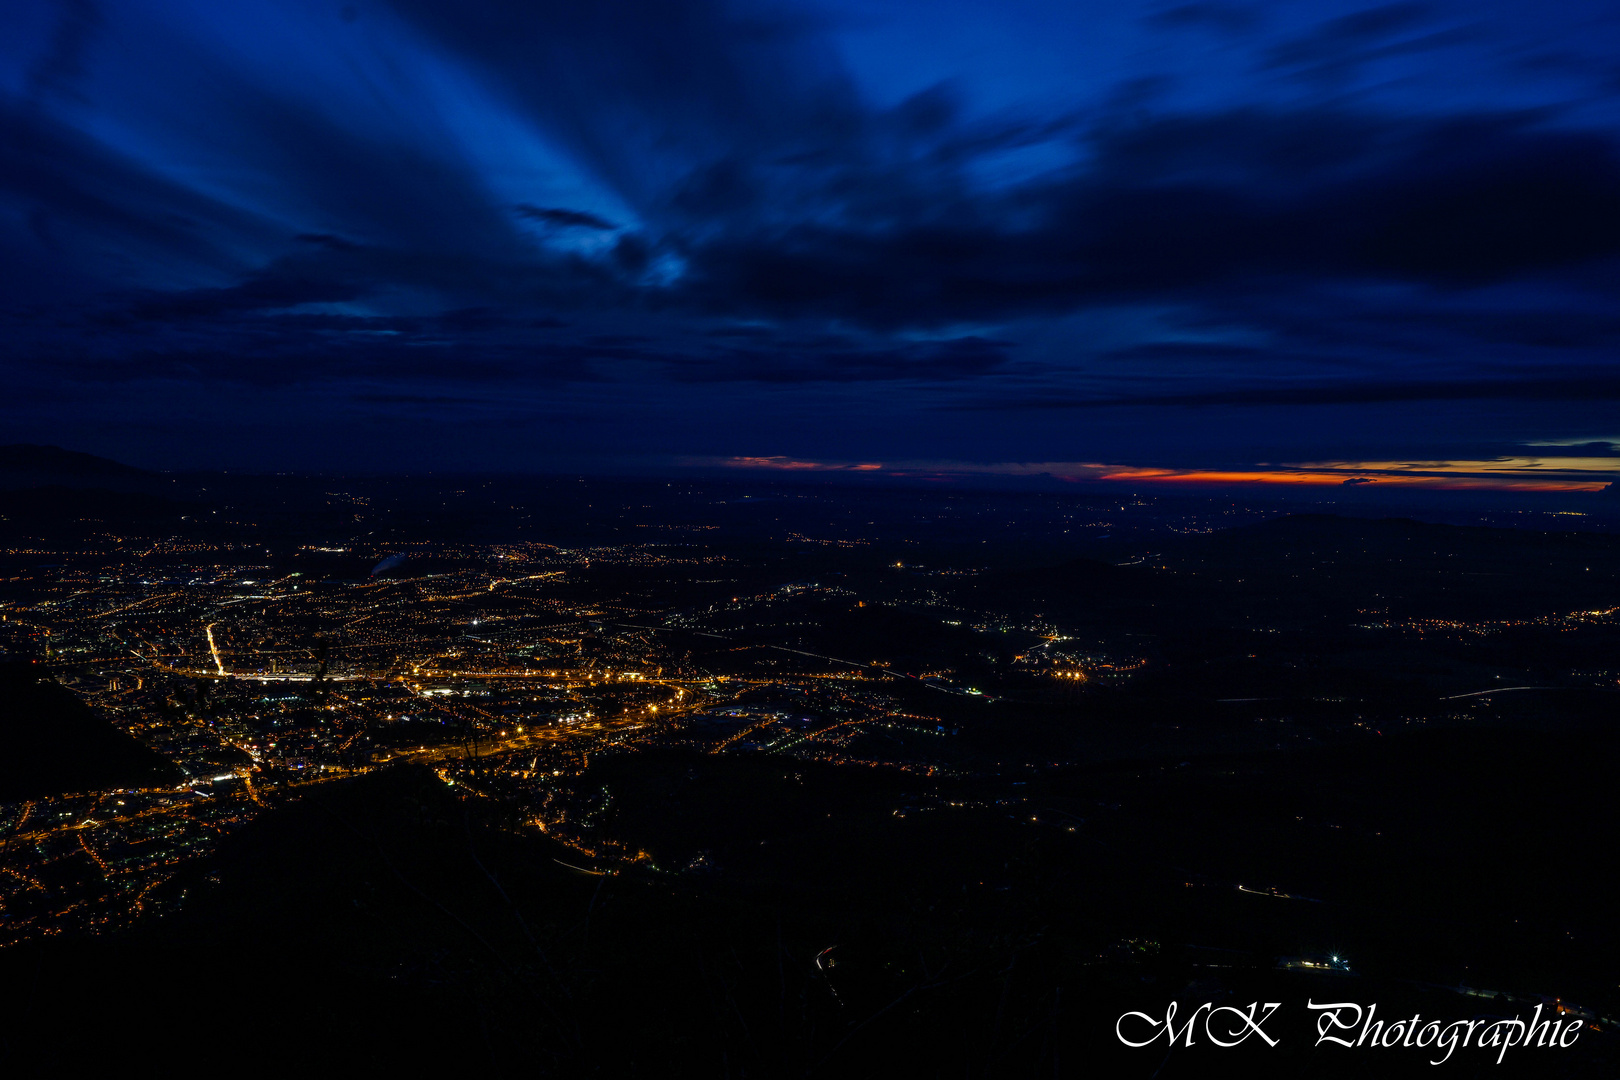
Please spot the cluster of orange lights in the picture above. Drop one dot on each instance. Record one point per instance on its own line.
(1508, 473)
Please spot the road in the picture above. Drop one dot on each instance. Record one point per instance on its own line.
(532, 739)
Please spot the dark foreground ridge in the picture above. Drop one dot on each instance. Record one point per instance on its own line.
(387, 924)
(51, 743)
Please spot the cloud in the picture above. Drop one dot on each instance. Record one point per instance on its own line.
(325, 351)
(657, 99)
(842, 361)
(1281, 221)
(1345, 39)
(769, 189)
(1501, 474)
(418, 399)
(1226, 18)
(58, 70)
(286, 283)
(1593, 449)
(1191, 206)
(786, 464)
(82, 198)
(563, 218)
(1601, 385)
(1177, 352)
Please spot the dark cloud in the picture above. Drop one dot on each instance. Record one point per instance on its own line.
(1588, 449)
(791, 362)
(778, 194)
(1556, 330)
(325, 351)
(328, 241)
(1338, 39)
(742, 332)
(1227, 18)
(1309, 236)
(1595, 385)
(616, 340)
(648, 93)
(1178, 351)
(562, 218)
(286, 284)
(1193, 204)
(418, 399)
(58, 70)
(83, 199)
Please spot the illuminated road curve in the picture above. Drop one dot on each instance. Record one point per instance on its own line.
(532, 739)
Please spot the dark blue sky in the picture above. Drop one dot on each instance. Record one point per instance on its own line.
(1306, 241)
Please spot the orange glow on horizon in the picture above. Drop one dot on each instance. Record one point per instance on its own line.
(1502, 474)
(1368, 478)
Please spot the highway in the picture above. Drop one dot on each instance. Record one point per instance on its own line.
(534, 738)
(219, 661)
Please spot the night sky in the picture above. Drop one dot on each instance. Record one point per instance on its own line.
(1307, 241)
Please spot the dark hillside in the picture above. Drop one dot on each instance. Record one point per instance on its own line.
(51, 742)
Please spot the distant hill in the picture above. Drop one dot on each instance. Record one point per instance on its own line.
(36, 465)
(38, 456)
(51, 742)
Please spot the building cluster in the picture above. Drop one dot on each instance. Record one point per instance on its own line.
(504, 666)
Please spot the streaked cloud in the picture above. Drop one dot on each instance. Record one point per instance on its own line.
(1572, 474)
(816, 231)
